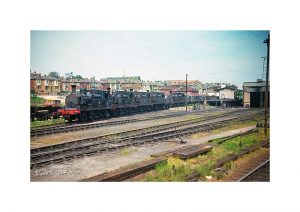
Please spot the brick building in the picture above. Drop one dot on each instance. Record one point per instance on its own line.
(193, 84)
(182, 82)
(44, 85)
(167, 90)
(150, 86)
(122, 83)
(74, 85)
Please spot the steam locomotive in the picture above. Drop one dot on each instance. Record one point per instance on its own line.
(97, 104)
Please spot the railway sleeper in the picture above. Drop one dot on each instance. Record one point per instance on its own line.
(155, 139)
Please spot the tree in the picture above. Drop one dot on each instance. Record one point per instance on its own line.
(69, 75)
(53, 74)
(78, 77)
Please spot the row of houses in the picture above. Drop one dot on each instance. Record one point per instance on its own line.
(253, 93)
(46, 85)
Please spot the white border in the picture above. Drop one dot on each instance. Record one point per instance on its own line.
(19, 17)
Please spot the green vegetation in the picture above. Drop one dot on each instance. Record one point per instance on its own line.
(35, 124)
(176, 169)
(173, 170)
(230, 126)
(36, 101)
(238, 94)
(53, 74)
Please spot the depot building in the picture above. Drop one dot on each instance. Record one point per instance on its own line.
(254, 94)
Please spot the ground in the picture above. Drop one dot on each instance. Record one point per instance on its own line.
(86, 167)
(94, 165)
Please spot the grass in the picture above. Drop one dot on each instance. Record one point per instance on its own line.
(230, 167)
(176, 169)
(230, 126)
(35, 124)
(36, 101)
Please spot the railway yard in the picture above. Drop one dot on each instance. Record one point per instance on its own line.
(215, 144)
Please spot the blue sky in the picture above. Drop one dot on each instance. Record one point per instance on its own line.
(208, 56)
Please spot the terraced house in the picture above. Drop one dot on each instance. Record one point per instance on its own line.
(44, 84)
(122, 83)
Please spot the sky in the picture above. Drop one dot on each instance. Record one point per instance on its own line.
(209, 56)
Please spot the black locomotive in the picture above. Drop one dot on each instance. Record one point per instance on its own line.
(176, 99)
(95, 104)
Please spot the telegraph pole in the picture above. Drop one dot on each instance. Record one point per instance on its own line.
(267, 41)
(261, 93)
(185, 92)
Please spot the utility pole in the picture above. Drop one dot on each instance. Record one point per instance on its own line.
(263, 67)
(267, 41)
(261, 95)
(185, 92)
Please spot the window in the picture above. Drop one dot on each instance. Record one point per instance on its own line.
(56, 82)
(46, 82)
(38, 82)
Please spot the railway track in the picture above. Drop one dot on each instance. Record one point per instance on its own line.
(129, 133)
(261, 173)
(64, 128)
(243, 176)
(64, 152)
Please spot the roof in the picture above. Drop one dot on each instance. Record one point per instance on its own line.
(78, 80)
(227, 87)
(209, 91)
(255, 84)
(180, 82)
(124, 79)
(43, 78)
(189, 89)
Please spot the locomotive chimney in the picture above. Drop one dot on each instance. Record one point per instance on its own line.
(147, 91)
(131, 90)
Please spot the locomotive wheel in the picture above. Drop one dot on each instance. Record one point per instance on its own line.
(101, 115)
(91, 116)
(116, 113)
(107, 113)
(83, 116)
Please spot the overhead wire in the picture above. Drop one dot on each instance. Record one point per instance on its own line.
(172, 55)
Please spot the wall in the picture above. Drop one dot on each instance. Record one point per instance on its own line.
(51, 88)
(246, 99)
(226, 93)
